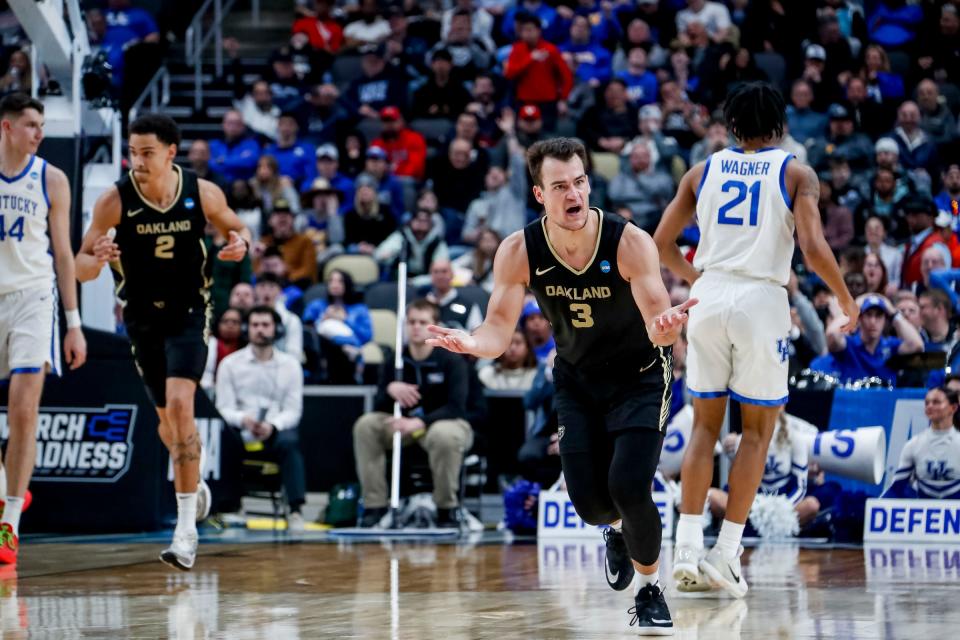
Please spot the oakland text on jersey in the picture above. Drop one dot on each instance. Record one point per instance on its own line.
(745, 167)
(154, 228)
(575, 293)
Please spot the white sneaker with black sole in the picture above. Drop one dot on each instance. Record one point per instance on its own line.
(725, 573)
(182, 552)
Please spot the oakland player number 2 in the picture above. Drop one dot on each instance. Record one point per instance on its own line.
(164, 247)
(584, 317)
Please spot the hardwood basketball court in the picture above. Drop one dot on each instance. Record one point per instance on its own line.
(261, 585)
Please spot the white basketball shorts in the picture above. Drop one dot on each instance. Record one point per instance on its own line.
(29, 335)
(738, 339)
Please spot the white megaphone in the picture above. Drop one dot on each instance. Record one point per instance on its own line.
(859, 454)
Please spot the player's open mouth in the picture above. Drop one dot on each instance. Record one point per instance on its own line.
(574, 209)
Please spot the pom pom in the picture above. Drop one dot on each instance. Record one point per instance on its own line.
(773, 517)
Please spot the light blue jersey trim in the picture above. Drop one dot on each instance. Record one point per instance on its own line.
(43, 181)
(703, 178)
(763, 403)
(783, 182)
(707, 394)
(19, 175)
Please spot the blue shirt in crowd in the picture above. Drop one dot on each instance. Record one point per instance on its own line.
(855, 362)
(297, 162)
(641, 89)
(234, 160)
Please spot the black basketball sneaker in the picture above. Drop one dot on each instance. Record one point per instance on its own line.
(650, 612)
(619, 567)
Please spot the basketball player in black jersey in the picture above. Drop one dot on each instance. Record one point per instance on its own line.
(149, 227)
(597, 279)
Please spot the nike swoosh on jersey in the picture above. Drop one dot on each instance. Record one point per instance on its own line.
(130, 214)
(540, 273)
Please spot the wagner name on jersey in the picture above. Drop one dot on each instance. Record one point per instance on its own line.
(25, 258)
(163, 259)
(745, 215)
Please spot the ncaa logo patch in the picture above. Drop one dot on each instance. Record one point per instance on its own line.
(34, 175)
(560, 431)
(189, 203)
(605, 267)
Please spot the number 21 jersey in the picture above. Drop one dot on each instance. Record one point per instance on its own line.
(745, 215)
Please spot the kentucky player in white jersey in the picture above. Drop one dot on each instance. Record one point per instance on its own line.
(929, 464)
(748, 201)
(34, 243)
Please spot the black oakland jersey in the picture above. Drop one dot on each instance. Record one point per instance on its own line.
(594, 316)
(163, 259)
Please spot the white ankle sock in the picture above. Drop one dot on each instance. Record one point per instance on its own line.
(690, 530)
(187, 511)
(729, 539)
(3, 481)
(11, 513)
(643, 579)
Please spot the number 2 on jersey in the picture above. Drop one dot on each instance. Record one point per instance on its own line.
(15, 231)
(741, 188)
(164, 247)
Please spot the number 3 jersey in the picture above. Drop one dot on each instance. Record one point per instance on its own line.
(163, 259)
(594, 316)
(26, 261)
(745, 215)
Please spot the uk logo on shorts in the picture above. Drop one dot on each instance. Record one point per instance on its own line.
(189, 203)
(605, 267)
(89, 444)
(783, 348)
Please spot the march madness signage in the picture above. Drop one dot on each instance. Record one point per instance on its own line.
(82, 444)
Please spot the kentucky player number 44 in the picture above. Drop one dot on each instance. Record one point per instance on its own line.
(82, 444)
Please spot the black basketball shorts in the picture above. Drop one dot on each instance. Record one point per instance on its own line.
(168, 344)
(592, 403)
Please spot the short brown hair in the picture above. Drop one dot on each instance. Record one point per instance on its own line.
(939, 299)
(559, 148)
(17, 103)
(422, 304)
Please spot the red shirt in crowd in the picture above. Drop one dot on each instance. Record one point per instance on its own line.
(407, 153)
(541, 74)
(325, 35)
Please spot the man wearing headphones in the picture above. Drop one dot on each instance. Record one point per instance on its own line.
(260, 392)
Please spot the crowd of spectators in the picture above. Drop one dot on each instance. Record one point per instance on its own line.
(378, 128)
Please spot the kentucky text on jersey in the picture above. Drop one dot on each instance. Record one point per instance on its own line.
(18, 204)
(745, 167)
(573, 293)
(163, 227)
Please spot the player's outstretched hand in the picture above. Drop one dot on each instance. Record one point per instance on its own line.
(453, 340)
(235, 248)
(75, 348)
(105, 249)
(852, 311)
(666, 327)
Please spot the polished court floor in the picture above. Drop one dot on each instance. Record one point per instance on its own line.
(251, 586)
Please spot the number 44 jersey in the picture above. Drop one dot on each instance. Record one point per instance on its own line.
(163, 259)
(25, 258)
(596, 322)
(745, 215)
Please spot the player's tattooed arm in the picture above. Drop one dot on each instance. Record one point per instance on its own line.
(809, 184)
